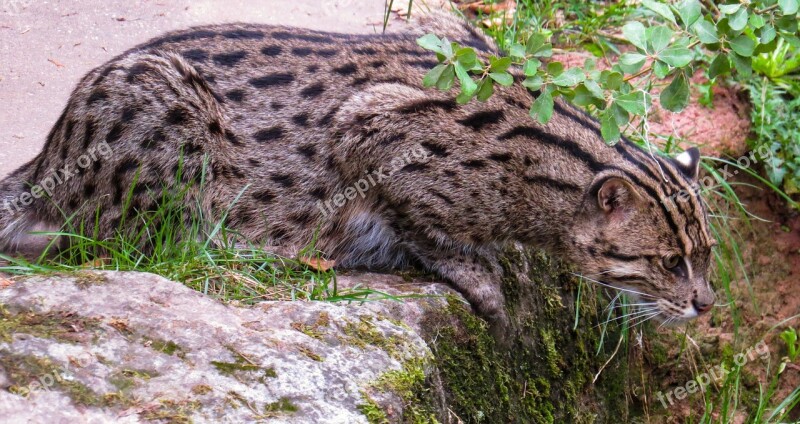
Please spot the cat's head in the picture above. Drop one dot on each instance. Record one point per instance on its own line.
(649, 236)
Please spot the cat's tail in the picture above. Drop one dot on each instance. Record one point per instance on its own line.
(18, 213)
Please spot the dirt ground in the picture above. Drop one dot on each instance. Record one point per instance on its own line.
(47, 46)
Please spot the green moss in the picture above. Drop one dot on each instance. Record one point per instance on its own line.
(410, 384)
(543, 371)
(242, 365)
(372, 411)
(85, 280)
(308, 352)
(60, 326)
(314, 329)
(280, 407)
(167, 347)
(364, 333)
(31, 373)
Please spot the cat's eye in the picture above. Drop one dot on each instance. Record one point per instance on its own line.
(672, 261)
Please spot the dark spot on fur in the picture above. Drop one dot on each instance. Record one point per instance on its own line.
(359, 81)
(301, 119)
(393, 138)
(277, 233)
(97, 166)
(269, 134)
(308, 150)
(177, 116)
(104, 75)
(481, 119)
(229, 59)
(277, 105)
(301, 51)
(264, 196)
(127, 165)
(427, 105)
(254, 162)
(312, 68)
(97, 95)
(422, 63)
(313, 90)
(377, 64)
(319, 193)
(88, 189)
(88, 133)
(474, 163)
(365, 50)
(500, 157)
(136, 70)
(271, 50)
(348, 69)
(232, 138)
(446, 199)
(414, 167)
(115, 133)
(243, 34)
(450, 173)
(179, 38)
(154, 140)
(284, 180)
(128, 113)
(235, 95)
(285, 35)
(326, 53)
(435, 149)
(197, 55)
(272, 80)
(214, 127)
(326, 120)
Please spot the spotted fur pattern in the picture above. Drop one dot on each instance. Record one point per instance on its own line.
(284, 119)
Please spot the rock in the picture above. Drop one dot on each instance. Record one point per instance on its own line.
(130, 347)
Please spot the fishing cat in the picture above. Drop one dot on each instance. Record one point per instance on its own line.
(293, 130)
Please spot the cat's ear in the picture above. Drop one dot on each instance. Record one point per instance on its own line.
(616, 195)
(689, 163)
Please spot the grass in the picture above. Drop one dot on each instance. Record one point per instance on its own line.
(211, 259)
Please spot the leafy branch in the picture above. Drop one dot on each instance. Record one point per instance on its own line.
(682, 38)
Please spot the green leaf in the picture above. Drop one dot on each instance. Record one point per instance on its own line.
(660, 8)
(594, 89)
(542, 107)
(676, 56)
(447, 79)
(535, 42)
(738, 20)
(533, 83)
(660, 69)
(447, 48)
(432, 77)
(499, 64)
(689, 11)
(463, 98)
(658, 37)
(502, 78)
(588, 93)
(545, 51)
(767, 34)
(531, 67)
(743, 65)
(609, 128)
(620, 115)
(787, 24)
(757, 21)
(467, 57)
(555, 68)
(676, 96)
(468, 85)
(635, 102)
(721, 65)
(430, 42)
(743, 45)
(630, 63)
(517, 50)
(634, 33)
(611, 80)
(570, 77)
(706, 32)
(729, 9)
(485, 90)
(788, 7)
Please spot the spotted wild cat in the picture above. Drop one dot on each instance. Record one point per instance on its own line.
(290, 118)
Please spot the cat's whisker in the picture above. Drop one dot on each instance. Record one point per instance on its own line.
(614, 287)
(634, 315)
(642, 321)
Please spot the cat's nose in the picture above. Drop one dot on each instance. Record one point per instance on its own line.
(702, 307)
